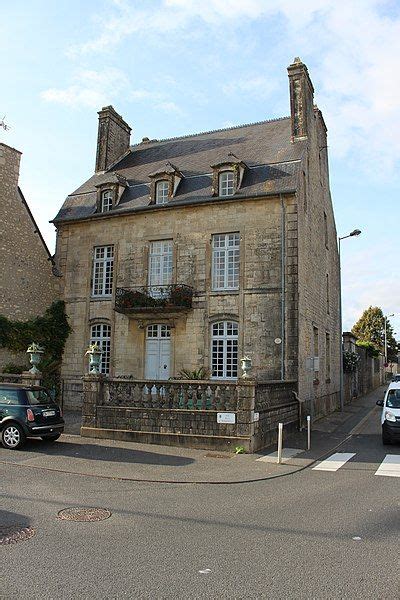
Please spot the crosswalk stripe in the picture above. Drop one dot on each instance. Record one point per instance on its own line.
(390, 466)
(334, 462)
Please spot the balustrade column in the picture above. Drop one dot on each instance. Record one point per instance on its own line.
(93, 390)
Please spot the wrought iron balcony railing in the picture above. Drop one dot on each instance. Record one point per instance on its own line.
(153, 298)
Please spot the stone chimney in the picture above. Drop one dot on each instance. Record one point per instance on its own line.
(301, 100)
(113, 138)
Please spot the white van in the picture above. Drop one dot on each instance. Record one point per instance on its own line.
(390, 418)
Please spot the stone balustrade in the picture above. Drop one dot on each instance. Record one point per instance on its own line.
(172, 394)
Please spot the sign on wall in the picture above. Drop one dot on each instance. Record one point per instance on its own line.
(226, 417)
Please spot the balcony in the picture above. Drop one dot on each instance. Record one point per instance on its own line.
(153, 300)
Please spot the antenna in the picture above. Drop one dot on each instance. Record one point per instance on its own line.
(3, 124)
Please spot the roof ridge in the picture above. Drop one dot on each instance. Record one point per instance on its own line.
(181, 137)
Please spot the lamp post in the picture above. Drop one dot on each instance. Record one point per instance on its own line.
(352, 234)
(386, 318)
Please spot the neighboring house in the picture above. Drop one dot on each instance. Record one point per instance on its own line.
(197, 250)
(27, 283)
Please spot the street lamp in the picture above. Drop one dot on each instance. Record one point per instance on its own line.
(352, 234)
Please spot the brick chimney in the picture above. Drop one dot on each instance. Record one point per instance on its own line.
(301, 100)
(113, 138)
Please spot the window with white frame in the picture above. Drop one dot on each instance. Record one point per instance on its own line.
(106, 201)
(225, 261)
(226, 181)
(160, 265)
(100, 334)
(162, 191)
(103, 265)
(224, 350)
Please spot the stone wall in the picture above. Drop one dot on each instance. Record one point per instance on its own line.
(27, 285)
(257, 305)
(184, 413)
(318, 277)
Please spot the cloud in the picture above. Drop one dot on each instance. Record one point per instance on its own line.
(345, 43)
(91, 89)
(258, 86)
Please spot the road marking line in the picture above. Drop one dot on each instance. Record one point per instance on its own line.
(334, 462)
(390, 466)
(286, 454)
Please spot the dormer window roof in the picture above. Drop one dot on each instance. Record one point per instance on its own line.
(164, 184)
(227, 176)
(109, 191)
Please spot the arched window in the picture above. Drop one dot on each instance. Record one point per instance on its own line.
(162, 189)
(224, 350)
(100, 334)
(226, 182)
(106, 201)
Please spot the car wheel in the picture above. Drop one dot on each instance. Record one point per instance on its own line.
(51, 438)
(386, 439)
(12, 436)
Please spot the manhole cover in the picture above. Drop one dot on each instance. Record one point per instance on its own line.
(84, 514)
(11, 534)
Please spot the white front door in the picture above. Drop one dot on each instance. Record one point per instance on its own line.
(158, 352)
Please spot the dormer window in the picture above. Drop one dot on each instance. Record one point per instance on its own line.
(162, 191)
(227, 176)
(164, 184)
(106, 201)
(226, 183)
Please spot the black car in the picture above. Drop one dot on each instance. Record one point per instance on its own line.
(28, 411)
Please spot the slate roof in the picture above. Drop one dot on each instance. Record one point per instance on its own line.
(271, 158)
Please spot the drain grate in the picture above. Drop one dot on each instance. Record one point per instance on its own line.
(84, 514)
(11, 534)
(218, 455)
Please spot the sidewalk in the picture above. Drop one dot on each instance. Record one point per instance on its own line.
(151, 463)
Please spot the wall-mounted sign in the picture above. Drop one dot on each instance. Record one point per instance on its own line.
(256, 417)
(226, 417)
(278, 341)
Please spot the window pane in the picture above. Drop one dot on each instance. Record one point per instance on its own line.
(106, 201)
(226, 183)
(225, 261)
(103, 266)
(101, 335)
(162, 192)
(160, 263)
(224, 350)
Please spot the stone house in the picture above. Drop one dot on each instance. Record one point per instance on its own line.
(27, 283)
(194, 251)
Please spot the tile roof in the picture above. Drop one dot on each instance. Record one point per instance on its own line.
(265, 148)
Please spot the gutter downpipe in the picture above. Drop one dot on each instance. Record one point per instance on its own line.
(283, 282)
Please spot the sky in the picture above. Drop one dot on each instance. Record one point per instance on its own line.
(175, 67)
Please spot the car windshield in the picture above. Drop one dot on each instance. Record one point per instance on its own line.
(393, 399)
(39, 397)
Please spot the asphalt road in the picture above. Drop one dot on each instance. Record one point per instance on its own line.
(312, 534)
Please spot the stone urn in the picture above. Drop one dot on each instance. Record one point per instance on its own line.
(94, 352)
(36, 354)
(246, 365)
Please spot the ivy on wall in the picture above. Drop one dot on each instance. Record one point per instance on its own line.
(49, 330)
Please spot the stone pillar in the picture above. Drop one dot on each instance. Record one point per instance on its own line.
(246, 399)
(92, 396)
(28, 378)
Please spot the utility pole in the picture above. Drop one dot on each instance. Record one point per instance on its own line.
(353, 233)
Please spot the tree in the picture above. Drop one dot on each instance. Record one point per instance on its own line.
(371, 328)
